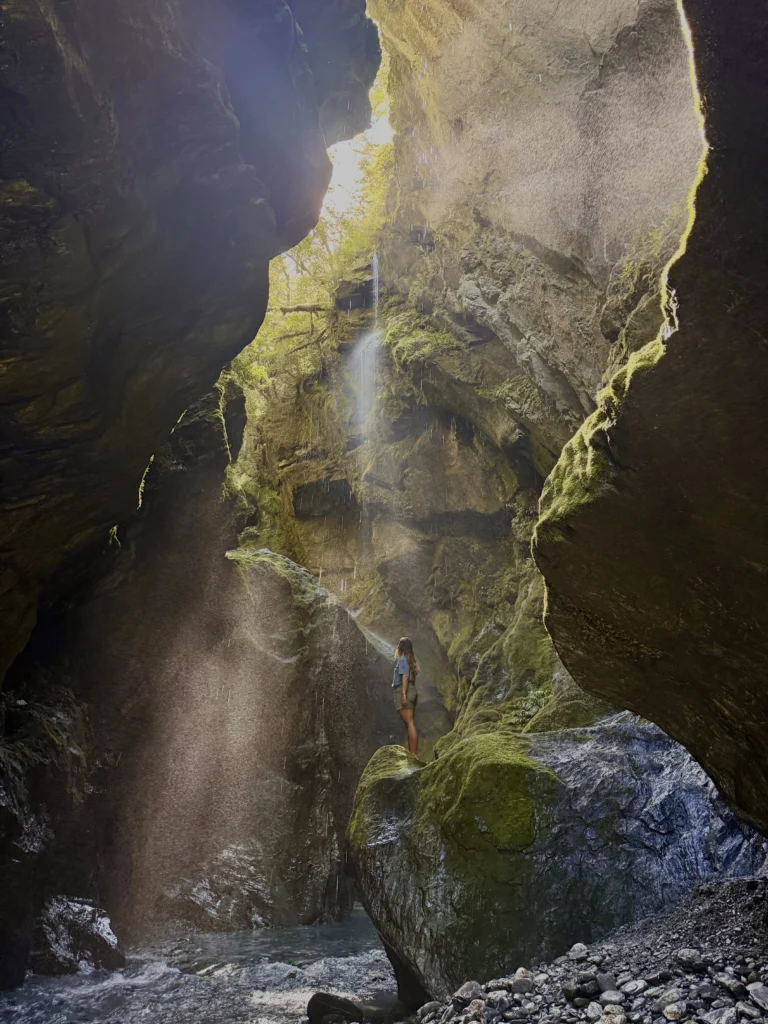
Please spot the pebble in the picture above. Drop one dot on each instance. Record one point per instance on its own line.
(690, 959)
(748, 1011)
(634, 987)
(675, 1011)
(469, 990)
(612, 997)
(670, 995)
(758, 993)
(523, 981)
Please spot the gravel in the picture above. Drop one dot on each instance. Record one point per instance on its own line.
(703, 962)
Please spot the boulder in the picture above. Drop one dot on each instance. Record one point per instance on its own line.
(73, 935)
(508, 848)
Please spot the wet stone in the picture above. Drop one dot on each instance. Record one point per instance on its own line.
(758, 993)
(690, 959)
(469, 990)
(634, 987)
(607, 982)
(669, 996)
(612, 997)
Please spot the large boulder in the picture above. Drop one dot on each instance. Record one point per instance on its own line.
(508, 849)
(653, 536)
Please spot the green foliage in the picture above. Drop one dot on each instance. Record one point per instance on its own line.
(338, 249)
(413, 339)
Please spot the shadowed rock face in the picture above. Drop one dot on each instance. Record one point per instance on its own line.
(653, 536)
(155, 155)
(233, 705)
(507, 850)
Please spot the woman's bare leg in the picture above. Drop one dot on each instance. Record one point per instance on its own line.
(413, 737)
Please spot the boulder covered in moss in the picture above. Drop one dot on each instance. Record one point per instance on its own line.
(508, 849)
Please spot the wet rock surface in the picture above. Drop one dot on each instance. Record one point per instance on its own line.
(71, 936)
(511, 848)
(262, 977)
(704, 961)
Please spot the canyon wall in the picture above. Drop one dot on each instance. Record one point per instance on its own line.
(653, 527)
(225, 694)
(156, 155)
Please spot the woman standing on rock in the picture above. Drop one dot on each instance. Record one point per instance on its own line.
(404, 689)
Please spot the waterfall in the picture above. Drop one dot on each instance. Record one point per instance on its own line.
(375, 269)
(365, 358)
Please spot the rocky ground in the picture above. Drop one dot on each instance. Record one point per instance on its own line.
(704, 961)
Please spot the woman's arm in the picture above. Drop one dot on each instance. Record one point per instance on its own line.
(404, 678)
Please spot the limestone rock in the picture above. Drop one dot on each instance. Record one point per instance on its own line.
(464, 863)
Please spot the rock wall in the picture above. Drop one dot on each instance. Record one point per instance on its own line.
(537, 200)
(386, 469)
(543, 160)
(156, 155)
(232, 706)
(653, 529)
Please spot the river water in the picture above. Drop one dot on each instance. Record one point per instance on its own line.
(259, 977)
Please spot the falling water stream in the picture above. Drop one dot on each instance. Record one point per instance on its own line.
(258, 977)
(365, 360)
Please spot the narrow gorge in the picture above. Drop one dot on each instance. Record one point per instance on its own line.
(323, 325)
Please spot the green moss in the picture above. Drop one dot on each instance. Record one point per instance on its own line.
(388, 765)
(476, 794)
(304, 589)
(413, 339)
(566, 712)
(586, 468)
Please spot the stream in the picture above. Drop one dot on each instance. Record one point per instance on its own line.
(259, 977)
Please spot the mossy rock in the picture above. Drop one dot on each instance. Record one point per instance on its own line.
(508, 849)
